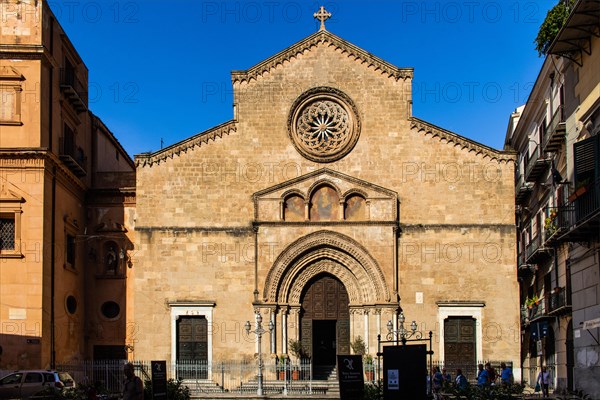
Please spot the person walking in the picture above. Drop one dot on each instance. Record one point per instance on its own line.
(133, 387)
(461, 380)
(482, 376)
(544, 381)
(506, 375)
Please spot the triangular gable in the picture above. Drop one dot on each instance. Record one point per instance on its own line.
(315, 39)
(10, 73)
(8, 196)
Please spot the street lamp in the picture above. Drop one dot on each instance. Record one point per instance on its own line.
(402, 333)
(259, 331)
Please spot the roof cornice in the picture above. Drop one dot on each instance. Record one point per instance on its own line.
(313, 40)
(463, 142)
(148, 159)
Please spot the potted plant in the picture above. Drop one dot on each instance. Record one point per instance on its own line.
(295, 348)
(368, 366)
(532, 301)
(281, 364)
(359, 347)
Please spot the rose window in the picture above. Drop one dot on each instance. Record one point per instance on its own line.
(323, 126)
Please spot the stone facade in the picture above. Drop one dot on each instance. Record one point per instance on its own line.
(242, 218)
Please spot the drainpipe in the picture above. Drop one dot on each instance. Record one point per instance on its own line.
(52, 271)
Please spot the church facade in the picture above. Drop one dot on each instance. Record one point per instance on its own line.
(326, 207)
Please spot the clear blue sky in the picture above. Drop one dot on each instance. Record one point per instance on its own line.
(161, 69)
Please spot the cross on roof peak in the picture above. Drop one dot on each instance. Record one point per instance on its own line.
(322, 15)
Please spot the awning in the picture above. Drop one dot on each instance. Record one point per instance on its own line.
(575, 36)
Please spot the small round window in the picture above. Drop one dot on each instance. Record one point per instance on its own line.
(71, 304)
(110, 309)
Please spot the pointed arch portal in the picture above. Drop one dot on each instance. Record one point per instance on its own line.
(323, 274)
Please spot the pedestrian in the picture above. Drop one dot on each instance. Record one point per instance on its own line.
(506, 376)
(446, 378)
(544, 381)
(482, 376)
(491, 373)
(437, 382)
(133, 387)
(461, 381)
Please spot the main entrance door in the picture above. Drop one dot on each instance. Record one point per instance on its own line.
(325, 320)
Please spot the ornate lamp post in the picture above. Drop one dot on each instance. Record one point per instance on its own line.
(259, 331)
(402, 333)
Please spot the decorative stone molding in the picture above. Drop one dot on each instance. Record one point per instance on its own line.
(463, 142)
(345, 258)
(148, 159)
(323, 38)
(323, 124)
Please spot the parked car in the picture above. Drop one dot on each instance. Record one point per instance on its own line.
(26, 384)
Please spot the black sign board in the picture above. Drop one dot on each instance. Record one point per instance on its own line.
(159, 380)
(405, 372)
(350, 377)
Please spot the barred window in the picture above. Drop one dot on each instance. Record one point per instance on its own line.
(7, 233)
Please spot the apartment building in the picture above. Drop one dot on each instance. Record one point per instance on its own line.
(66, 202)
(558, 208)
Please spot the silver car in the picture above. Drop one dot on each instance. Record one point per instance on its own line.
(26, 384)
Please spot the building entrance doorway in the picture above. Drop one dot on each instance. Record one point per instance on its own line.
(325, 322)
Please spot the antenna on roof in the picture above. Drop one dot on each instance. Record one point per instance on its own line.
(162, 142)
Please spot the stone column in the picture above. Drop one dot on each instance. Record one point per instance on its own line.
(284, 330)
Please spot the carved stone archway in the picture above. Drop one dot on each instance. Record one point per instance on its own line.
(326, 252)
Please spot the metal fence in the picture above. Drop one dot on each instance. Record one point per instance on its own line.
(203, 377)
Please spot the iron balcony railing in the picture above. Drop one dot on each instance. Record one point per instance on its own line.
(580, 216)
(555, 131)
(75, 91)
(536, 164)
(558, 300)
(533, 246)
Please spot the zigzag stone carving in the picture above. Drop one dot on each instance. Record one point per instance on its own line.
(463, 142)
(313, 40)
(326, 251)
(148, 159)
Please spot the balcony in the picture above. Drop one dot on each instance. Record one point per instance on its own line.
(555, 224)
(555, 132)
(536, 165)
(533, 313)
(73, 157)
(74, 90)
(581, 216)
(535, 251)
(559, 302)
(522, 190)
(523, 269)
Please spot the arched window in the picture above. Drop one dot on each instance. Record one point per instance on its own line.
(324, 204)
(355, 208)
(293, 208)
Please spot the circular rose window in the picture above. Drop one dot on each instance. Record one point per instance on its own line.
(323, 124)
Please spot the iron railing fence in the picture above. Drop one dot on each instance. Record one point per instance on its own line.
(204, 377)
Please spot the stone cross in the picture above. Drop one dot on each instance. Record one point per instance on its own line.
(322, 15)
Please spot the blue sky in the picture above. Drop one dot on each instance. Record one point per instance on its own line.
(160, 69)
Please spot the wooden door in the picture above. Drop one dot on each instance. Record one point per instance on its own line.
(326, 299)
(459, 343)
